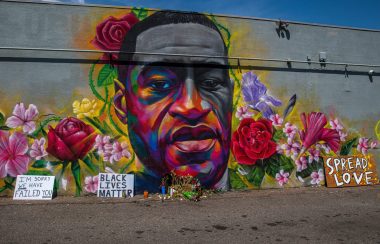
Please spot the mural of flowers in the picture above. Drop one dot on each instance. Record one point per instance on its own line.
(279, 150)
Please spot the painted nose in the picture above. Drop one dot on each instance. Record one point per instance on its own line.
(188, 105)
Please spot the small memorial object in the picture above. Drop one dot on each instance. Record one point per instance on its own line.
(146, 194)
(34, 187)
(341, 171)
(116, 185)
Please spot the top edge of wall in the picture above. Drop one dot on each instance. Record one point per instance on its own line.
(189, 12)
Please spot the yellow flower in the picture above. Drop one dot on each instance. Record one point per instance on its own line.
(86, 108)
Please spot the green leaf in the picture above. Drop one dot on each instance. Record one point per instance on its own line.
(75, 169)
(140, 13)
(278, 135)
(87, 161)
(38, 172)
(4, 127)
(278, 162)
(106, 76)
(2, 118)
(235, 181)
(346, 147)
(39, 164)
(255, 175)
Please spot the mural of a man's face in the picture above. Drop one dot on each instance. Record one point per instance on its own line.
(179, 116)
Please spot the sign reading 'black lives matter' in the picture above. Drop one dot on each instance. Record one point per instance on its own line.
(116, 185)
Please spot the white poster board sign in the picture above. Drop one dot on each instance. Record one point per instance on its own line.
(116, 185)
(34, 187)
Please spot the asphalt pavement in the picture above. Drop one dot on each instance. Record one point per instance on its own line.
(299, 215)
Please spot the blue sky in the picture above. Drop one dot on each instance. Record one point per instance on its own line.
(353, 13)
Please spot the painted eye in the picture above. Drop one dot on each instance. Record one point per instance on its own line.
(162, 84)
(210, 83)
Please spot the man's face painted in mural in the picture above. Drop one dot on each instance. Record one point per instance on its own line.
(179, 116)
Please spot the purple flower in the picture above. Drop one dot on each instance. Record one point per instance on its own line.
(317, 177)
(116, 151)
(13, 158)
(291, 148)
(101, 142)
(290, 130)
(336, 125)
(37, 150)
(23, 117)
(313, 155)
(301, 164)
(255, 95)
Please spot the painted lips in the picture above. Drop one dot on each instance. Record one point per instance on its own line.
(194, 139)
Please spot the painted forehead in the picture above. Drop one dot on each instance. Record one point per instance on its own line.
(187, 38)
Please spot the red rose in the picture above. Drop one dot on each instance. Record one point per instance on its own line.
(70, 140)
(111, 32)
(252, 141)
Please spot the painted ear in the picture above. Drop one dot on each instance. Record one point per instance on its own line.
(119, 102)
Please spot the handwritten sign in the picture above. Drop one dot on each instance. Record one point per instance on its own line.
(116, 185)
(350, 171)
(34, 187)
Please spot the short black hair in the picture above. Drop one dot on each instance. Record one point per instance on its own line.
(163, 17)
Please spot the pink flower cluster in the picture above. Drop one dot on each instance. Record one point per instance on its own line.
(336, 125)
(282, 177)
(243, 112)
(365, 144)
(276, 120)
(290, 130)
(111, 151)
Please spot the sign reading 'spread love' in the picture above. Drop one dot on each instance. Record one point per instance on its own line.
(34, 187)
(116, 185)
(343, 171)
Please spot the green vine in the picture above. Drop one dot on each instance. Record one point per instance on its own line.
(92, 85)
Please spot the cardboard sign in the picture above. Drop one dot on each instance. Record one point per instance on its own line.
(343, 171)
(34, 187)
(116, 185)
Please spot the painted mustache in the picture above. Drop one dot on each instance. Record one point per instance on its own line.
(199, 138)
